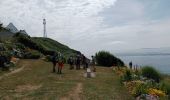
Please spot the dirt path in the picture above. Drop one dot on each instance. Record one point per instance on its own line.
(13, 72)
(75, 93)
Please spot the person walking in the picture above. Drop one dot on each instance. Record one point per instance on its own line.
(54, 61)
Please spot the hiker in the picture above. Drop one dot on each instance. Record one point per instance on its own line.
(84, 62)
(60, 63)
(78, 60)
(71, 62)
(2, 61)
(54, 61)
(93, 64)
(130, 65)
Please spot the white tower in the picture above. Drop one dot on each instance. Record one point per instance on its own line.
(44, 23)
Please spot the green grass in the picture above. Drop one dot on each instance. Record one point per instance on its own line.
(51, 86)
(53, 45)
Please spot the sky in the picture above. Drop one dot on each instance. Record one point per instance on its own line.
(93, 25)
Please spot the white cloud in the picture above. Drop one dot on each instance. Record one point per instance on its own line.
(89, 25)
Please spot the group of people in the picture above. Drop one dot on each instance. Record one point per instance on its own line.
(135, 67)
(75, 62)
(58, 60)
(79, 60)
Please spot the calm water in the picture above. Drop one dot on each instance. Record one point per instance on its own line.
(160, 62)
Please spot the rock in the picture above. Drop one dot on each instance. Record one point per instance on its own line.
(89, 73)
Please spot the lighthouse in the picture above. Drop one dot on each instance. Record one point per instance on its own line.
(45, 33)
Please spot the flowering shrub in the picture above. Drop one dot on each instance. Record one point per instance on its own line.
(143, 84)
(157, 92)
(120, 71)
(133, 87)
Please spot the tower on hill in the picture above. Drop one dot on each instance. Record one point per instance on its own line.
(44, 23)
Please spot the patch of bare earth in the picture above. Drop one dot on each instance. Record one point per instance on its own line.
(74, 94)
(12, 72)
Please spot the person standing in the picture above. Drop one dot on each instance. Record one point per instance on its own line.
(71, 61)
(84, 61)
(78, 62)
(130, 65)
(93, 64)
(54, 61)
(60, 63)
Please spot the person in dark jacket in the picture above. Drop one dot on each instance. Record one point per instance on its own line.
(84, 61)
(71, 62)
(54, 61)
(3, 60)
(130, 65)
(78, 60)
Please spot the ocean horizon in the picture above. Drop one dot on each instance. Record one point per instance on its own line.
(160, 62)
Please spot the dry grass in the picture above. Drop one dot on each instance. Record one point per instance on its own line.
(36, 81)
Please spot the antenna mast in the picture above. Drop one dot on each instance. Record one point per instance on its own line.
(44, 23)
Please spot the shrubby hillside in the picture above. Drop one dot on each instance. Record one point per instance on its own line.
(46, 46)
(42, 45)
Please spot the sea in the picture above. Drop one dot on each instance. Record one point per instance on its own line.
(160, 62)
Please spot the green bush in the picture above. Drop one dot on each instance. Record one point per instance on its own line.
(127, 76)
(104, 58)
(151, 73)
(1, 25)
(165, 86)
(7, 54)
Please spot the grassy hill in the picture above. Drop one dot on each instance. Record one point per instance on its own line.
(53, 45)
(44, 45)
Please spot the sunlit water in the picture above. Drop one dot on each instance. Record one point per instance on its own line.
(160, 62)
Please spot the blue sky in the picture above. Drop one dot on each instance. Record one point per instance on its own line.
(93, 25)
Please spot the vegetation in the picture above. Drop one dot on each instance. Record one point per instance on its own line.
(151, 73)
(32, 55)
(52, 45)
(1, 25)
(105, 58)
(44, 45)
(35, 81)
(142, 86)
(127, 76)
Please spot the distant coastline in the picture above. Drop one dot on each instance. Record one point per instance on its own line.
(159, 61)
